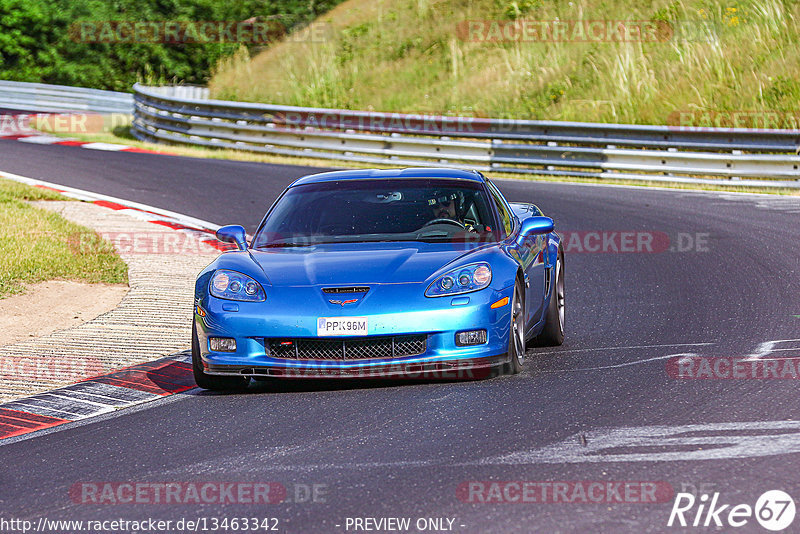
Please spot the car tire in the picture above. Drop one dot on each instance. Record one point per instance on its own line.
(211, 382)
(553, 331)
(516, 341)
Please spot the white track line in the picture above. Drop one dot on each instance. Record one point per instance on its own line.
(43, 139)
(614, 366)
(106, 146)
(80, 194)
(768, 347)
(623, 348)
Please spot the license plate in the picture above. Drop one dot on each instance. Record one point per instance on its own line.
(342, 326)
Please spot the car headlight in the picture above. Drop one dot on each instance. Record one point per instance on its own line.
(461, 280)
(235, 286)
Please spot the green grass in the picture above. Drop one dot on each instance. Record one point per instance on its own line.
(40, 245)
(408, 56)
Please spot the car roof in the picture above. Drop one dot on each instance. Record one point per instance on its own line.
(377, 174)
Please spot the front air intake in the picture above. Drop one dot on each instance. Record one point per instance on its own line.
(359, 348)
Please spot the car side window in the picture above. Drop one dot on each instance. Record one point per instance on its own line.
(505, 216)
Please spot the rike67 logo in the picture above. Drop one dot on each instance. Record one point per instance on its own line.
(774, 510)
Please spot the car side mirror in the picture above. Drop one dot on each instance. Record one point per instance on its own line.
(535, 226)
(233, 234)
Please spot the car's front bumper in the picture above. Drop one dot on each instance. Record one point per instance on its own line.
(462, 369)
(254, 324)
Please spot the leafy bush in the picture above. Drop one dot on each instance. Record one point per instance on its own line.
(36, 43)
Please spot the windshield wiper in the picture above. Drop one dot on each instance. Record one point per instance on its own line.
(351, 241)
(432, 239)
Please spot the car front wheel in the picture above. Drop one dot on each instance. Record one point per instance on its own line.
(553, 332)
(516, 343)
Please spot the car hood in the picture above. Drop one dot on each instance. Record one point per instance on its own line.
(357, 263)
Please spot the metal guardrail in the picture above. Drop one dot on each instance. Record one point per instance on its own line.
(182, 91)
(61, 98)
(655, 153)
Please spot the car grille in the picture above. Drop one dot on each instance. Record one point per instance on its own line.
(363, 348)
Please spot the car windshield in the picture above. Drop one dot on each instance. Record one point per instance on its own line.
(379, 210)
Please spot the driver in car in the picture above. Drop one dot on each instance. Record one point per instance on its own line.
(444, 205)
(447, 205)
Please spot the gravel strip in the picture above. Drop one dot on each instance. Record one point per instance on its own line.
(152, 321)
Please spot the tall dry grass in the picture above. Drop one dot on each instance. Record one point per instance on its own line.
(406, 55)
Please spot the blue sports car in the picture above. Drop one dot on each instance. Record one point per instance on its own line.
(380, 273)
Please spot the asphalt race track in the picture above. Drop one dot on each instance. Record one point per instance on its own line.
(720, 282)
